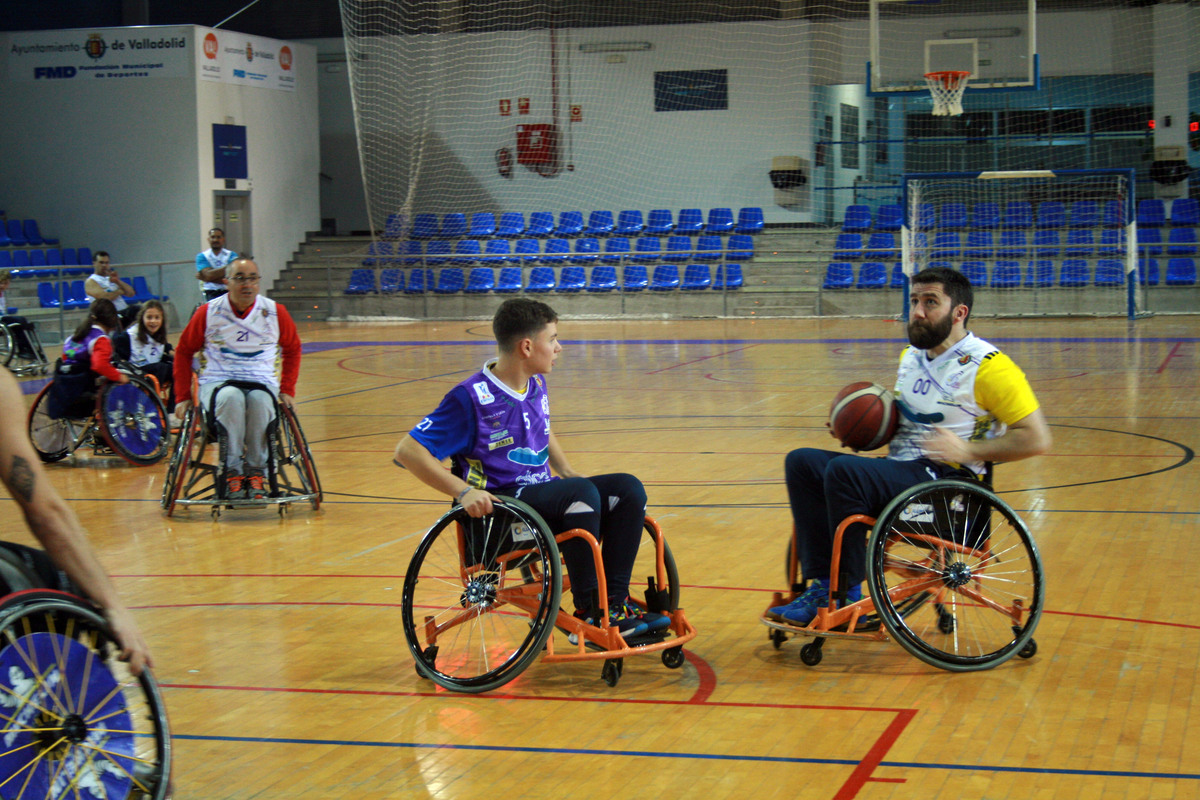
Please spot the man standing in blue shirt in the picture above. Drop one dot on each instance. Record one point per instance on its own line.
(495, 428)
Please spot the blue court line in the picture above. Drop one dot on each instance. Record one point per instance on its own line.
(316, 347)
(1102, 773)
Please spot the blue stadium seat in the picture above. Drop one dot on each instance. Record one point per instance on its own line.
(740, 247)
(362, 281)
(541, 224)
(889, 218)
(679, 248)
(634, 278)
(557, 251)
(727, 276)
(378, 253)
(509, 280)
(393, 228)
(1112, 242)
(587, 251)
(708, 248)
(659, 222)
(696, 277)
(527, 251)
(84, 254)
(881, 245)
(1018, 214)
(437, 253)
(899, 280)
(496, 252)
(666, 278)
(48, 295)
(570, 280)
(979, 244)
(857, 219)
(20, 259)
(480, 280)
(141, 290)
(16, 234)
(952, 216)
(1085, 214)
(391, 281)
(926, 216)
(35, 236)
(1013, 244)
(1039, 273)
(603, 279)
(629, 223)
(425, 226)
(419, 281)
(541, 280)
(600, 223)
(1114, 214)
(1075, 272)
(720, 220)
(690, 220)
(872, 275)
(4, 240)
(482, 226)
(1150, 241)
(570, 223)
(1147, 270)
(1006, 274)
(616, 249)
(511, 225)
(37, 259)
(1081, 243)
(1051, 214)
(450, 280)
(946, 244)
(847, 247)
(1109, 272)
(454, 225)
(1185, 212)
(76, 294)
(1181, 272)
(839, 275)
(412, 252)
(749, 220)
(986, 215)
(5, 259)
(976, 272)
(466, 253)
(1181, 241)
(646, 249)
(1151, 213)
(69, 257)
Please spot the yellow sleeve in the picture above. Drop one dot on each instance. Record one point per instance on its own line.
(1002, 389)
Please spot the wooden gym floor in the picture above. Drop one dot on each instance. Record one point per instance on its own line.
(286, 675)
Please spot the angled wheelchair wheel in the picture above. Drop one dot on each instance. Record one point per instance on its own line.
(296, 454)
(7, 346)
(133, 421)
(480, 596)
(54, 439)
(189, 446)
(958, 545)
(77, 723)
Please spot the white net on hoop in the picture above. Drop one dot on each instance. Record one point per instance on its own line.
(947, 89)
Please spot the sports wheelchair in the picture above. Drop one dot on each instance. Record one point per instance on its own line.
(291, 474)
(481, 600)
(11, 357)
(129, 420)
(76, 722)
(953, 575)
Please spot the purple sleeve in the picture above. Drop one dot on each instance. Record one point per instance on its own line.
(450, 429)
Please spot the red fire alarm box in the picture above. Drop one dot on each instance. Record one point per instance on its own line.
(537, 147)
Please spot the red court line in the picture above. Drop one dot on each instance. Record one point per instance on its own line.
(864, 772)
(1174, 350)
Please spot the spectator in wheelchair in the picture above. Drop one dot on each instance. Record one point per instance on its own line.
(495, 429)
(240, 334)
(19, 326)
(103, 284)
(87, 357)
(145, 346)
(962, 403)
(68, 562)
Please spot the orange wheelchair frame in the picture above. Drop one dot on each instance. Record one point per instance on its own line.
(495, 603)
(948, 546)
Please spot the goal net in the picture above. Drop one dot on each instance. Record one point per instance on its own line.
(1032, 243)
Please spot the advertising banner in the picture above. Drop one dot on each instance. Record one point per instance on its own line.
(111, 54)
(237, 58)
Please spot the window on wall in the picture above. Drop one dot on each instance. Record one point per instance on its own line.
(882, 128)
(821, 158)
(849, 118)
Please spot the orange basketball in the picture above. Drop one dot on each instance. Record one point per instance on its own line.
(864, 416)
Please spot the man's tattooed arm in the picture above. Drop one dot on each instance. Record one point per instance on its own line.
(21, 479)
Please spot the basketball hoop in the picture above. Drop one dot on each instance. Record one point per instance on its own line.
(947, 88)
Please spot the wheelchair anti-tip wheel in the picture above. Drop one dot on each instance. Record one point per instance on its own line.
(958, 544)
(481, 596)
(53, 439)
(76, 723)
(133, 421)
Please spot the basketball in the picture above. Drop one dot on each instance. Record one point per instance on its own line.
(863, 416)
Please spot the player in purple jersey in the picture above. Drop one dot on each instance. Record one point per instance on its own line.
(495, 429)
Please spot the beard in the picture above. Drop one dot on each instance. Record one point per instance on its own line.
(925, 335)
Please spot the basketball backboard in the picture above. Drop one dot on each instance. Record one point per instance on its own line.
(908, 39)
